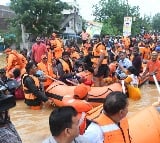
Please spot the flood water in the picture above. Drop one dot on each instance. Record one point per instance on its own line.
(32, 125)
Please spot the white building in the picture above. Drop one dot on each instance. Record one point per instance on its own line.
(72, 21)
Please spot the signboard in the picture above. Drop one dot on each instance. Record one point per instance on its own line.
(1, 40)
(94, 28)
(127, 26)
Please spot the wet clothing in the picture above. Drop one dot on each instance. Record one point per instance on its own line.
(31, 88)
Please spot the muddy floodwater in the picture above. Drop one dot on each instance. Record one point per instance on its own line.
(32, 125)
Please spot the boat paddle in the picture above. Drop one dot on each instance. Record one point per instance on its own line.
(158, 88)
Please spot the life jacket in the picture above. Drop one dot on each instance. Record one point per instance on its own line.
(97, 50)
(58, 50)
(47, 69)
(112, 132)
(27, 94)
(16, 60)
(65, 65)
(50, 55)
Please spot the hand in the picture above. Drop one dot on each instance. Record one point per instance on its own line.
(48, 102)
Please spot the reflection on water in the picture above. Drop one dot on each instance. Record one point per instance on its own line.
(33, 127)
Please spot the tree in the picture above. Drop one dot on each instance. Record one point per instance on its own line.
(38, 16)
(112, 13)
(156, 22)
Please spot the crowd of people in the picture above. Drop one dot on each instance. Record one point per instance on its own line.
(118, 58)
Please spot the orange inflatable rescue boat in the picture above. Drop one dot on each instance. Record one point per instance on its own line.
(96, 95)
(144, 127)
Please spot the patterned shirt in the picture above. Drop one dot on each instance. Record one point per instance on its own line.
(8, 134)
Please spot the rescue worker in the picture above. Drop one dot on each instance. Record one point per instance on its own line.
(47, 70)
(65, 67)
(50, 52)
(99, 59)
(110, 125)
(31, 87)
(14, 60)
(57, 46)
(153, 67)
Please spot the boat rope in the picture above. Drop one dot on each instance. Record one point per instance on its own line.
(102, 93)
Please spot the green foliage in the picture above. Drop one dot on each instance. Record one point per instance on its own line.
(9, 38)
(38, 16)
(156, 22)
(112, 13)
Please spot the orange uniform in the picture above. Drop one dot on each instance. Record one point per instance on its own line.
(15, 60)
(112, 132)
(58, 50)
(154, 67)
(47, 69)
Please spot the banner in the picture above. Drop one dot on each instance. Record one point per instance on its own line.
(94, 28)
(127, 26)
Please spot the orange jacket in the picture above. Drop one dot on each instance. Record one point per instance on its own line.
(14, 60)
(112, 132)
(99, 49)
(47, 69)
(27, 94)
(58, 50)
(146, 53)
(50, 55)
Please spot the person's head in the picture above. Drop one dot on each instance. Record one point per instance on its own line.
(16, 73)
(132, 70)
(122, 55)
(44, 58)
(31, 68)
(7, 51)
(64, 121)
(65, 56)
(154, 56)
(116, 105)
(135, 50)
(54, 62)
(81, 54)
(38, 40)
(106, 37)
(2, 73)
(53, 35)
(80, 91)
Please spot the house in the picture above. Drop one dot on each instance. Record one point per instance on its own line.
(72, 21)
(5, 14)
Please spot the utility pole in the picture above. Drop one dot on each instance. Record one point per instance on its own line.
(127, 7)
(74, 21)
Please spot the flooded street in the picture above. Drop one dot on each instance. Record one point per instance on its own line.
(32, 125)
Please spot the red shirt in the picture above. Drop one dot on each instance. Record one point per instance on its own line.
(37, 51)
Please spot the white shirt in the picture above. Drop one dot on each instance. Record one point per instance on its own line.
(79, 139)
(94, 133)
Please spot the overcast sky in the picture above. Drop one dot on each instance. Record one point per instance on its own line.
(148, 7)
